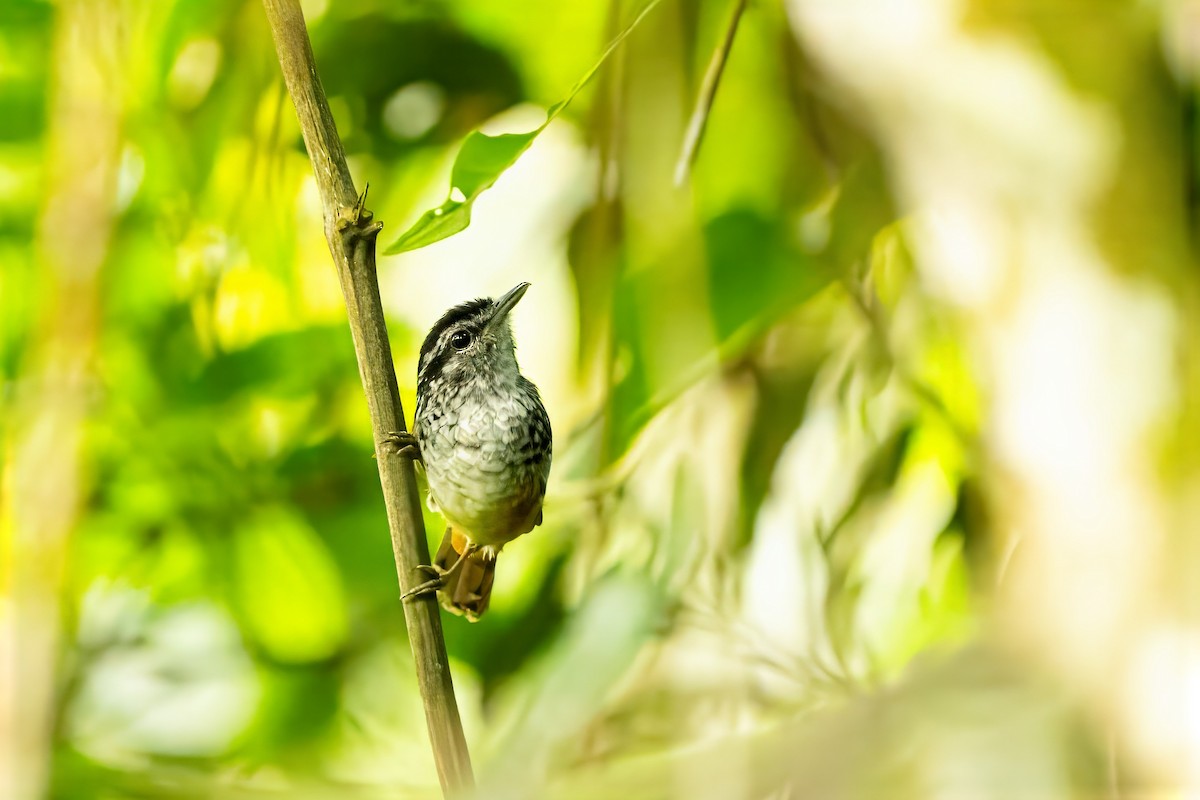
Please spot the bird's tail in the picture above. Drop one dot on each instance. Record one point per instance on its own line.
(468, 591)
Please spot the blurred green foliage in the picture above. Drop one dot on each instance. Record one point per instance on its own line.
(767, 559)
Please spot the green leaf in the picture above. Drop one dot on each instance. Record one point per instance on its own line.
(483, 159)
(289, 589)
(480, 163)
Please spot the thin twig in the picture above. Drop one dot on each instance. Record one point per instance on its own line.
(708, 93)
(351, 233)
(806, 103)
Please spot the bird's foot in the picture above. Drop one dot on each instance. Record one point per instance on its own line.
(430, 586)
(403, 443)
(440, 576)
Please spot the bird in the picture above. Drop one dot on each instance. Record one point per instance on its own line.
(484, 439)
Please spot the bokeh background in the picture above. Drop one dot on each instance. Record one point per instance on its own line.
(876, 467)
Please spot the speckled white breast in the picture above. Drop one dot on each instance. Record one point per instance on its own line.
(487, 457)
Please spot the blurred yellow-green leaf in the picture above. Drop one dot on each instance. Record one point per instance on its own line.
(288, 587)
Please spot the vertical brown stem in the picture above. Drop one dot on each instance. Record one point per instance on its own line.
(351, 234)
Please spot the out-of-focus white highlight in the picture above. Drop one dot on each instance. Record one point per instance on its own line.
(1000, 164)
(413, 110)
(193, 72)
(186, 689)
(1162, 702)
(786, 581)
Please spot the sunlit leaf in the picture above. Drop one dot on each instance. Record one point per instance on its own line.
(483, 159)
(288, 588)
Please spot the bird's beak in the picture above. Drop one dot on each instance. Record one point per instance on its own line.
(506, 303)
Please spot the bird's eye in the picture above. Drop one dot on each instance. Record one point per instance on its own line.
(461, 340)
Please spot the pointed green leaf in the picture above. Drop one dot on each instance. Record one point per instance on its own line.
(483, 159)
(434, 225)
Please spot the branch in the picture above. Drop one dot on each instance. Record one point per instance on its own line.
(351, 234)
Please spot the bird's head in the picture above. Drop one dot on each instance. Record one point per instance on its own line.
(473, 339)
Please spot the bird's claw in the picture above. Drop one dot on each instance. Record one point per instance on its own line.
(430, 586)
(403, 443)
(440, 575)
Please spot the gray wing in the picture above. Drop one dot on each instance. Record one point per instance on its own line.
(539, 443)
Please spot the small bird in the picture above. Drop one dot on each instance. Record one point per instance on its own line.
(484, 438)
